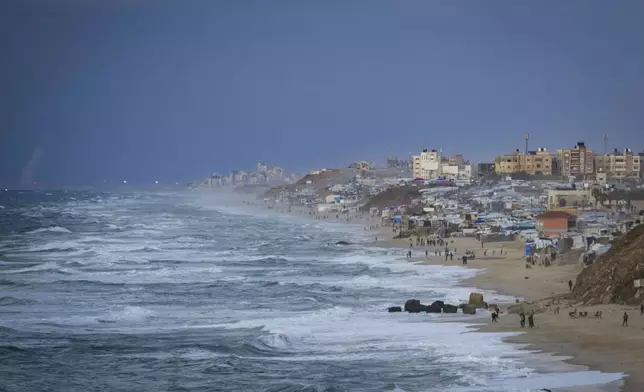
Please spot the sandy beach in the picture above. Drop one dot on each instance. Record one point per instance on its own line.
(599, 344)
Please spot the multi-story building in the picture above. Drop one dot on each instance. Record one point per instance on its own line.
(427, 164)
(619, 164)
(578, 161)
(540, 162)
(454, 160)
(485, 168)
(395, 163)
(507, 163)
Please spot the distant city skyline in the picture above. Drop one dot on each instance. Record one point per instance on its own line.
(173, 90)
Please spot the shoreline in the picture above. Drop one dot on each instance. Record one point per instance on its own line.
(593, 347)
(600, 345)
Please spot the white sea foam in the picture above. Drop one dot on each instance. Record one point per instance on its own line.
(53, 229)
(128, 313)
(36, 268)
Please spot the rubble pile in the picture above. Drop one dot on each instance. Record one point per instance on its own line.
(616, 276)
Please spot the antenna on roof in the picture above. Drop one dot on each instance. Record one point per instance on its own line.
(605, 144)
(527, 138)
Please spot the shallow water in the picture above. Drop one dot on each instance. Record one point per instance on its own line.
(171, 292)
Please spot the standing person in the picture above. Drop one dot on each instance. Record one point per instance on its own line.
(484, 252)
(641, 309)
(625, 320)
(446, 256)
(531, 320)
(464, 260)
(570, 285)
(522, 317)
(451, 257)
(426, 253)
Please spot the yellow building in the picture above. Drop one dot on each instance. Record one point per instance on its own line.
(539, 162)
(507, 163)
(619, 164)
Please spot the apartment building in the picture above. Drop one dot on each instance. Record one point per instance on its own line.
(578, 161)
(619, 165)
(507, 163)
(427, 164)
(454, 160)
(539, 162)
(485, 168)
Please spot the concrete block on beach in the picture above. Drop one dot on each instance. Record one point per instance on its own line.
(469, 309)
(476, 299)
(450, 308)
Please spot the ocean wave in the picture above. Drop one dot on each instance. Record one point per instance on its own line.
(10, 349)
(12, 301)
(50, 266)
(10, 284)
(149, 249)
(52, 229)
(127, 313)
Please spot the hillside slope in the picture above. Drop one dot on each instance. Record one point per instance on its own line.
(393, 197)
(610, 278)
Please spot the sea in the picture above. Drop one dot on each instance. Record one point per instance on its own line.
(195, 291)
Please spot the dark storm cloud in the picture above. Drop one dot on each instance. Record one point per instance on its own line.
(145, 90)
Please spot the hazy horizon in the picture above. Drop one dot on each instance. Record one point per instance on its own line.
(144, 90)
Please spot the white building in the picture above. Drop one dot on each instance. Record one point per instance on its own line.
(465, 172)
(427, 164)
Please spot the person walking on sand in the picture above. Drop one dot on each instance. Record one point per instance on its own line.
(484, 252)
(625, 320)
(570, 285)
(451, 256)
(426, 253)
(494, 317)
(446, 256)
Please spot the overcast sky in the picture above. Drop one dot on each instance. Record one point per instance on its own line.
(93, 90)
